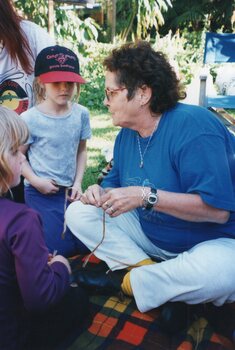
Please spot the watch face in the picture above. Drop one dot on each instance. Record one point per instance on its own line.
(152, 198)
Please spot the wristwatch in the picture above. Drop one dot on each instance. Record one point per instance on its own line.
(151, 199)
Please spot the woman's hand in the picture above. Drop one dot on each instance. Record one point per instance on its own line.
(92, 195)
(121, 200)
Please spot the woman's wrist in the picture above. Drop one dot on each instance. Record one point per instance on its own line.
(144, 195)
(149, 197)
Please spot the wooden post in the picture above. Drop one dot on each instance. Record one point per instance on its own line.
(113, 21)
(111, 18)
(51, 17)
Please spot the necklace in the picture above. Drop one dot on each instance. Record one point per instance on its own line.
(147, 146)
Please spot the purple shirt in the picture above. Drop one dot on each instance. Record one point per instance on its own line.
(26, 280)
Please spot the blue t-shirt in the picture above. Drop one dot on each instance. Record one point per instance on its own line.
(54, 141)
(190, 152)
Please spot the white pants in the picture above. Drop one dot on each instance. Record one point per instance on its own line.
(205, 273)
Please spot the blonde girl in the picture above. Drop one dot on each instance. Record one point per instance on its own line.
(34, 286)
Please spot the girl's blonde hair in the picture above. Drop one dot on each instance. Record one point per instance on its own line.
(13, 133)
(40, 92)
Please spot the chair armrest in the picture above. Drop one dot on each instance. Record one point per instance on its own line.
(204, 75)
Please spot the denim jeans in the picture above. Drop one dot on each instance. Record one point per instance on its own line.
(51, 209)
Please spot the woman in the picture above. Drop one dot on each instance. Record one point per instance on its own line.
(170, 195)
(39, 309)
(20, 42)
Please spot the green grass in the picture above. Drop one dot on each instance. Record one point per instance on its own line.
(103, 135)
(231, 112)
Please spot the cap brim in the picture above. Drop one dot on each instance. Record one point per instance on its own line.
(61, 76)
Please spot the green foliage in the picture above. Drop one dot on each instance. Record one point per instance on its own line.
(69, 28)
(36, 11)
(184, 52)
(231, 112)
(201, 14)
(136, 18)
(150, 15)
(92, 93)
(192, 58)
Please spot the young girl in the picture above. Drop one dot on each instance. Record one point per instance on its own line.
(36, 302)
(57, 145)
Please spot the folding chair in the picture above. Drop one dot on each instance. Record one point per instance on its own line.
(219, 49)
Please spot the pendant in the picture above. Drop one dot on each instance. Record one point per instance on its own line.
(141, 164)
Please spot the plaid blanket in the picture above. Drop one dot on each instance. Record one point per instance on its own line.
(115, 324)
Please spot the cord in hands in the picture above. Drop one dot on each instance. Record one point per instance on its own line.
(117, 201)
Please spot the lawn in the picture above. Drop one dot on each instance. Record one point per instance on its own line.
(231, 112)
(103, 135)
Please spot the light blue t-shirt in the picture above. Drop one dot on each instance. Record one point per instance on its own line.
(54, 141)
(190, 152)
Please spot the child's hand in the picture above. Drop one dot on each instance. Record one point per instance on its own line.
(61, 259)
(74, 193)
(51, 256)
(45, 186)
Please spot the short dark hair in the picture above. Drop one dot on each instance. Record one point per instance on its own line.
(137, 64)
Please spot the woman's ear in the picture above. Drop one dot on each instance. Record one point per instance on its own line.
(145, 93)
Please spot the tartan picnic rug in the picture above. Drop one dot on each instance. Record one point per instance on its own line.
(115, 324)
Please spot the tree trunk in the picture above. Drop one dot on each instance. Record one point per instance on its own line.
(51, 17)
(111, 18)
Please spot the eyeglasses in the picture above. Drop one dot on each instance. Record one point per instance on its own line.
(110, 92)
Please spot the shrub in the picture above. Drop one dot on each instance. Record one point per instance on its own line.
(92, 93)
(184, 51)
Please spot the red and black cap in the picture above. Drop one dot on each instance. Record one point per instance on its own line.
(57, 64)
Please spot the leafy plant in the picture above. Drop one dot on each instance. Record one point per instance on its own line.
(150, 15)
(69, 28)
(92, 93)
(201, 14)
(72, 30)
(136, 18)
(183, 51)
